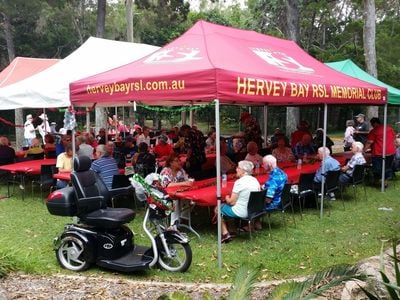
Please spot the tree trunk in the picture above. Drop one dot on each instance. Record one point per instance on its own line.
(292, 113)
(100, 28)
(129, 20)
(369, 46)
(129, 38)
(101, 18)
(18, 118)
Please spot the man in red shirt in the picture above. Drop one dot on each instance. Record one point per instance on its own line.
(375, 145)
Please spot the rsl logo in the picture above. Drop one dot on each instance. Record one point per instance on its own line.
(282, 61)
(174, 55)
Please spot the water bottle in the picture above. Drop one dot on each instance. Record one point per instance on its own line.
(299, 163)
(257, 168)
(224, 180)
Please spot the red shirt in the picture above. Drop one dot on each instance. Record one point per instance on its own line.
(376, 135)
(163, 150)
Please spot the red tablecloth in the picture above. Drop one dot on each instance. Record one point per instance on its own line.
(209, 164)
(29, 166)
(204, 192)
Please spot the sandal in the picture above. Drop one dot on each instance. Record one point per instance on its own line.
(226, 238)
(245, 229)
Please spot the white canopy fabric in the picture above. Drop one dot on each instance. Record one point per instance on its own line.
(50, 88)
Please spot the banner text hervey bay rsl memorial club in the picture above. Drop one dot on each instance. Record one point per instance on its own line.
(261, 87)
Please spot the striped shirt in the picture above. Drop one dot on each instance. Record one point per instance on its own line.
(106, 167)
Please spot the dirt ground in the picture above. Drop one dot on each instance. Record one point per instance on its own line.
(20, 286)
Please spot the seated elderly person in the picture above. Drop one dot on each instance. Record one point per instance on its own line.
(304, 149)
(7, 153)
(236, 203)
(357, 159)
(227, 165)
(331, 164)
(273, 187)
(105, 165)
(84, 148)
(282, 153)
(163, 149)
(64, 164)
(35, 151)
(252, 154)
(144, 162)
(173, 175)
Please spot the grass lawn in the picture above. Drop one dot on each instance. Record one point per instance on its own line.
(346, 236)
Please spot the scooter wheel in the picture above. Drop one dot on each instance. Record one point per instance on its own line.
(180, 259)
(70, 254)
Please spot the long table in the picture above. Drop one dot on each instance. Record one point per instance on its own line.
(27, 168)
(203, 192)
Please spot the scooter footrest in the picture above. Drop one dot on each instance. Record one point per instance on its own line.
(135, 260)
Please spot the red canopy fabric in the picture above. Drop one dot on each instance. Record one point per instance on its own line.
(24, 67)
(211, 61)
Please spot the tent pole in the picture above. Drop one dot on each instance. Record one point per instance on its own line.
(87, 119)
(265, 125)
(218, 167)
(384, 148)
(323, 160)
(123, 120)
(191, 116)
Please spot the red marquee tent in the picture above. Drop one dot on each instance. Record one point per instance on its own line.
(214, 62)
(211, 61)
(23, 67)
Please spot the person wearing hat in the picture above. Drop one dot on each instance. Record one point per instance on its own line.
(163, 149)
(361, 129)
(53, 127)
(29, 131)
(348, 135)
(235, 205)
(44, 128)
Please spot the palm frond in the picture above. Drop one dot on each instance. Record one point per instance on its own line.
(244, 283)
(287, 290)
(390, 290)
(369, 294)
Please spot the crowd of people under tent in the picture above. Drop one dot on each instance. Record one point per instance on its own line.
(242, 154)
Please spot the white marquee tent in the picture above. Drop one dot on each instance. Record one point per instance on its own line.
(50, 88)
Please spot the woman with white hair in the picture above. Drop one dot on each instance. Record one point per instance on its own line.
(236, 203)
(273, 187)
(357, 159)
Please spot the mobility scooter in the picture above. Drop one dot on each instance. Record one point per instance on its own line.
(100, 236)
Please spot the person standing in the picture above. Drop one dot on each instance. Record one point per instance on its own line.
(29, 131)
(375, 145)
(361, 130)
(348, 135)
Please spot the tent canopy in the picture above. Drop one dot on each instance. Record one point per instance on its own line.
(212, 61)
(50, 88)
(350, 68)
(23, 67)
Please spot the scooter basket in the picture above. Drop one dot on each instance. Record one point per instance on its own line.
(157, 209)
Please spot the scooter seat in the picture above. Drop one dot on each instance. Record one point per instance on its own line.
(108, 218)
